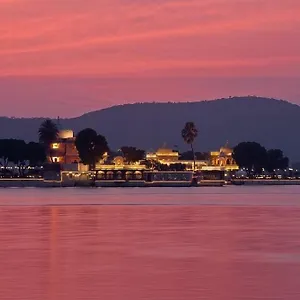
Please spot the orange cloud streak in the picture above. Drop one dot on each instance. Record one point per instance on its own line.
(157, 38)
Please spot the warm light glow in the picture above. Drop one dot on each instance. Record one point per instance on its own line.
(66, 134)
(56, 159)
(55, 146)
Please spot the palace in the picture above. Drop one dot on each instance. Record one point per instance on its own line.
(63, 150)
(168, 156)
(164, 155)
(223, 158)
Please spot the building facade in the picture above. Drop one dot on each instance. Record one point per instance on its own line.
(63, 150)
(168, 156)
(224, 159)
(221, 159)
(164, 155)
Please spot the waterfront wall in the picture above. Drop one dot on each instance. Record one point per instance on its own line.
(6, 183)
(85, 182)
(266, 182)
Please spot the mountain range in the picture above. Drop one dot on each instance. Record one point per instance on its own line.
(273, 123)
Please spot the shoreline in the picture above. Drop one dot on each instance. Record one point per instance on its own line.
(41, 183)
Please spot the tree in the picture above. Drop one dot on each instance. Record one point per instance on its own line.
(48, 133)
(189, 133)
(132, 154)
(35, 153)
(250, 155)
(177, 167)
(90, 146)
(20, 154)
(189, 155)
(14, 151)
(276, 160)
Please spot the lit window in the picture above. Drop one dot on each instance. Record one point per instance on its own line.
(55, 146)
(55, 159)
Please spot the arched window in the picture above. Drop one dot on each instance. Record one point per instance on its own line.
(128, 175)
(101, 175)
(138, 175)
(110, 175)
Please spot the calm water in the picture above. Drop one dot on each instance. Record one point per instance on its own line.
(188, 243)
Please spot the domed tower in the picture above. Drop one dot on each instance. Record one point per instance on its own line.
(66, 134)
(223, 158)
(167, 155)
(63, 149)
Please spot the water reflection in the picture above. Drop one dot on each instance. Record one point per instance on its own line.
(149, 252)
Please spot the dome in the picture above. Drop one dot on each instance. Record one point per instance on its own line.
(226, 150)
(66, 134)
(119, 161)
(164, 151)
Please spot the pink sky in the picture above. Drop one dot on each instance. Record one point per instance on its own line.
(68, 57)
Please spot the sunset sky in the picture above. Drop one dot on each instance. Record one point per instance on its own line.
(67, 57)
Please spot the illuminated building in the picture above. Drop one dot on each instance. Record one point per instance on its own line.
(168, 156)
(223, 158)
(63, 150)
(164, 156)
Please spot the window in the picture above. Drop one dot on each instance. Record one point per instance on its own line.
(55, 159)
(55, 146)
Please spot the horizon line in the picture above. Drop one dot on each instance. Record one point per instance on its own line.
(153, 102)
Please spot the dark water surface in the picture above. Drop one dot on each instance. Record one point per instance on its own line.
(187, 243)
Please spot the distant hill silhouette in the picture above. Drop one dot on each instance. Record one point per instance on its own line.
(273, 123)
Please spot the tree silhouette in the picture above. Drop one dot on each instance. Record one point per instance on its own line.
(48, 133)
(189, 133)
(250, 155)
(276, 160)
(20, 153)
(132, 154)
(90, 146)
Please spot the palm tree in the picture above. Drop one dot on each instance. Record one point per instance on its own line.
(48, 133)
(189, 133)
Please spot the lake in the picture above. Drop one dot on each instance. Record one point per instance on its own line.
(230, 243)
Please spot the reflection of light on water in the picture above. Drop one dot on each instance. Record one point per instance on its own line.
(53, 253)
(148, 252)
(269, 257)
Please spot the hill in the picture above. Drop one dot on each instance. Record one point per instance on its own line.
(273, 123)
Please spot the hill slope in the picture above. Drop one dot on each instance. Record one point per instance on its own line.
(274, 123)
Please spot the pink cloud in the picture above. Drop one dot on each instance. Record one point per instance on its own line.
(149, 39)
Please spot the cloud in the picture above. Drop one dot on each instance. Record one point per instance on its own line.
(169, 38)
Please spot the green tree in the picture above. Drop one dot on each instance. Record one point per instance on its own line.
(48, 133)
(132, 154)
(90, 146)
(189, 133)
(251, 156)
